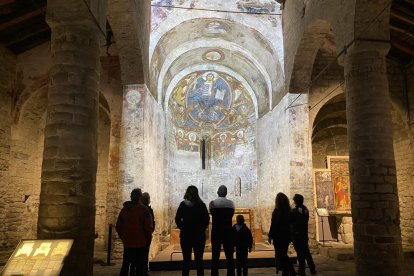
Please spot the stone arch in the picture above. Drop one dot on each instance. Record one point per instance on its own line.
(311, 41)
(329, 130)
(129, 21)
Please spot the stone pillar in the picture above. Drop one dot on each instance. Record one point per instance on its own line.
(131, 150)
(67, 199)
(374, 194)
(300, 162)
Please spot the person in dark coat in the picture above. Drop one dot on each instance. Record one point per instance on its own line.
(300, 219)
(146, 200)
(222, 211)
(244, 243)
(280, 233)
(192, 219)
(134, 227)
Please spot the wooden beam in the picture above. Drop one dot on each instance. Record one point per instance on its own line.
(401, 31)
(20, 19)
(403, 48)
(27, 34)
(402, 16)
(5, 2)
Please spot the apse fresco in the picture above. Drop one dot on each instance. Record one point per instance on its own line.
(216, 105)
(211, 101)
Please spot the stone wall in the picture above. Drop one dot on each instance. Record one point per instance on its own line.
(7, 77)
(284, 157)
(403, 144)
(101, 228)
(154, 167)
(184, 169)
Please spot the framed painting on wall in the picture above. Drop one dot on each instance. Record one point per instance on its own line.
(339, 167)
(324, 197)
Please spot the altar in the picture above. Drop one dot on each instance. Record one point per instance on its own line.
(248, 215)
(332, 193)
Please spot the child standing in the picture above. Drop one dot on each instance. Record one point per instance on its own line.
(243, 243)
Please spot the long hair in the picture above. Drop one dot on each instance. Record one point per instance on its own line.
(192, 194)
(282, 203)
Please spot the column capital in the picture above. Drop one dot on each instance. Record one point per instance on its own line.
(368, 45)
(63, 12)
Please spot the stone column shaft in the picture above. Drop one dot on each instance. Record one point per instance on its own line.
(131, 149)
(67, 199)
(374, 195)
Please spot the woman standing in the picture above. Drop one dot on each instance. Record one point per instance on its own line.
(192, 219)
(280, 233)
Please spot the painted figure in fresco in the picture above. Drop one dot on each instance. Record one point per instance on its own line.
(207, 99)
(222, 211)
(192, 219)
(300, 220)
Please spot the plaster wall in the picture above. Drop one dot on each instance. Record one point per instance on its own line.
(7, 76)
(284, 157)
(184, 169)
(154, 168)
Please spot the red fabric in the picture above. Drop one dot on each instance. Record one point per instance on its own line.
(134, 226)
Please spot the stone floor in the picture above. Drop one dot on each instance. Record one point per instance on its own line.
(325, 267)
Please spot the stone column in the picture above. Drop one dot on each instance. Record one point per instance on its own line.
(374, 194)
(67, 199)
(131, 150)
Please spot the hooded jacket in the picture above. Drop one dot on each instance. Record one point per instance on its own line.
(134, 225)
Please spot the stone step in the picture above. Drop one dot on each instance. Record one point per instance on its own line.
(337, 253)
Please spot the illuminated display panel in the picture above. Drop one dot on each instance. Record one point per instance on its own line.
(38, 257)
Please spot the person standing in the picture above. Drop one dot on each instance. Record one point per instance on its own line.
(243, 243)
(192, 219)
(280, 233)
(222, 211)
(146, 200)
(134, 227)
(300, 220)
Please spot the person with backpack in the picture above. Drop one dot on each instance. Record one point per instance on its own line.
(300, 219)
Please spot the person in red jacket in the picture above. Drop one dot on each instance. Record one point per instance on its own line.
(134, 227)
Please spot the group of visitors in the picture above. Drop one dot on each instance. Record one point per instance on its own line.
(192, 218)
(291, 225)
(134, 226)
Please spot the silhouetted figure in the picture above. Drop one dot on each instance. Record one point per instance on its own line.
(244, 243)
(300, 219)
(146, 200)
(222, 211)
(280, 233)
(192, 219)
(134, 227)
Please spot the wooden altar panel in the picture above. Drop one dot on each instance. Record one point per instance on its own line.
(339, 167)
(323, 189)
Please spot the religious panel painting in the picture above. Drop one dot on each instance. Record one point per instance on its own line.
(340, 182)
(323, 189)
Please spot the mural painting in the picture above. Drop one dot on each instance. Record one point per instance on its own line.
(257, 6)
(340, 183)
(211, 101)
(323, 189)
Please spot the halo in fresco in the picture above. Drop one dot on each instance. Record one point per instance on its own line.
(215, 55)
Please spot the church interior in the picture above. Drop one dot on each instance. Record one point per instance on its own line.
(311, 97)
